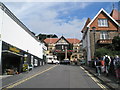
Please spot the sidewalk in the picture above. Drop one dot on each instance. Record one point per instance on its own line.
(109, 81)
(5, 76)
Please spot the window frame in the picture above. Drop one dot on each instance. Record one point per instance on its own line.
(102, 22)
(104, 35)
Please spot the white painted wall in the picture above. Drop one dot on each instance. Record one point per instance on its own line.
(15, 35)
(88, 46)
(1, 21)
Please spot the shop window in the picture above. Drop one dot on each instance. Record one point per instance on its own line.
(36, 62)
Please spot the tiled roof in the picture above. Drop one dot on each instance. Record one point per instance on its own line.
(87, 22)
(115, 14)
(73, 40)
(51, 40)
(54, 40)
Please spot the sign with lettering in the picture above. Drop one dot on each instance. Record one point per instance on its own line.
(14, 49)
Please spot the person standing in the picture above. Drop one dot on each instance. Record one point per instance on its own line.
(97, 65)
(107, 61)
(116, 63)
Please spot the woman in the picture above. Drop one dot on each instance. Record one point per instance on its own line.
(117, 67)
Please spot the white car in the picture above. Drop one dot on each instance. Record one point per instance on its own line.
(56, 61)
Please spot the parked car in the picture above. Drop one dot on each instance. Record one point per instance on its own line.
(82, 62)
(65, 61)
(30, 67)
(56, 61)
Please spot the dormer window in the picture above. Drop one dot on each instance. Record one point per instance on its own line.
(102, 22)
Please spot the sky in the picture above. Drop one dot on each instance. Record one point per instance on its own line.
(60, 18)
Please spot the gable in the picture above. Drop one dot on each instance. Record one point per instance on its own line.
(62, 41)
(103, 14)
(111, 23)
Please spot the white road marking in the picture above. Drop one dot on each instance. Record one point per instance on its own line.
(96, 80)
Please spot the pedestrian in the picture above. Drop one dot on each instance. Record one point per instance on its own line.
(116, 63)
(107, 61)
(97, 65)
(102, 65)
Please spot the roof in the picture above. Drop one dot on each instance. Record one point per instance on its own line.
(54, 40)
(102, 10)
(73, 40)
(63, 38)
(87, 22)
(115, 14)
(51, 40)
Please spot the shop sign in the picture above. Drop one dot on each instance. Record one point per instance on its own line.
(14, 49)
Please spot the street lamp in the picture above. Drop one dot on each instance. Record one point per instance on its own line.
(94, 28)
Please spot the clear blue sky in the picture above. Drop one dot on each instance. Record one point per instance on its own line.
(60, 18)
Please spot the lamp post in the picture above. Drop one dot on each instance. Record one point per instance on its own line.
(94, 28)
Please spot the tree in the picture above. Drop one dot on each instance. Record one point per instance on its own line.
(42, 37)
(112, 50)
(102, 51)
(116, 43)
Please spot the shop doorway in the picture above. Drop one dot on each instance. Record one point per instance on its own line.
(11, 61)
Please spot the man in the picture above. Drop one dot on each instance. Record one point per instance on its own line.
(107, 61)
(97, 65)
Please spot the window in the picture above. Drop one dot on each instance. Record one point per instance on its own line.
(103, 22)
(104, 35)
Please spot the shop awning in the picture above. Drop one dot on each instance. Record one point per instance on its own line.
(7, 51)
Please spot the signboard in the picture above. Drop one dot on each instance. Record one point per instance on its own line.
(14, 49)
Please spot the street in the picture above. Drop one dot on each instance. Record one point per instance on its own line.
(58, 76)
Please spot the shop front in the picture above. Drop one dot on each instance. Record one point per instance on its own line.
(12, 59)
(15, 61)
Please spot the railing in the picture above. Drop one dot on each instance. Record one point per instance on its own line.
(63, 51)
(104, 41)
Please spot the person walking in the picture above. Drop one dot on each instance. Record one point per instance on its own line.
(102, 65)
(116, 63)
(107, 61)
(98, 66)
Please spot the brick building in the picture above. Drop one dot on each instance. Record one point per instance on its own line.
(100, 31)
(57, 46)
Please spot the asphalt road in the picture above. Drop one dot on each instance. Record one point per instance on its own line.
(59, 76)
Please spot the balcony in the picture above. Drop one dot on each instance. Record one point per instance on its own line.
(104, 41)
(63, 51)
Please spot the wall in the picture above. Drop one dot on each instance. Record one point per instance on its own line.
(15, 35)
(112, 30)
(111, 25)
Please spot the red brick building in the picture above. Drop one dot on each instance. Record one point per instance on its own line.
(100, 31)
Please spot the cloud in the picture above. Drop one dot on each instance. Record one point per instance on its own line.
(45, 17)
(59, 0)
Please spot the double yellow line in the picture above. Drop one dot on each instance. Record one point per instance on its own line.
(19, 82)
(94, 79)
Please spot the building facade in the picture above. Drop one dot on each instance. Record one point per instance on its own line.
(58, 46)
(99, 32)
(18, 46)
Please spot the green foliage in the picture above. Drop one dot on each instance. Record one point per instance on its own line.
(116, 43)
(112, 50)
(102, 51)
(42, 37)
